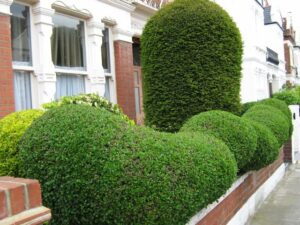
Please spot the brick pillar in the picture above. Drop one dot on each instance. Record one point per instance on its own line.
(287, 150)
(124, 77)
(7, 101)
(21, 202)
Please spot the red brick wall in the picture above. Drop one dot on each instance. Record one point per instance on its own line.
(223, 212)
(7, 104)
(124, 77)
(287, 57)
(287, 149)
(21, 202)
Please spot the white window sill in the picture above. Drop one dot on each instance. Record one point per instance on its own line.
(23, 68)
(71, 71)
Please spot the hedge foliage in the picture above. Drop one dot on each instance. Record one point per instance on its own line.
(267, 147)
(272, 118)
(237, 134)
(107, 172)
(290, 97)
(93, 100)
(191, 60)
(12, 127)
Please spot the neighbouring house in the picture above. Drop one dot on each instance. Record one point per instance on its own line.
(262, 34)
(54, 48)
(291, 52)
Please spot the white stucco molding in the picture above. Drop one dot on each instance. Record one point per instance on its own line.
(43, 15)
(94, 28)
(30, 2)
(71, 10)
(122, 35)
(5, 7)
(109, 21)
(121, 4)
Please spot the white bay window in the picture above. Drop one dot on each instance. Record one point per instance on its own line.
(68, 55)
(21, 55)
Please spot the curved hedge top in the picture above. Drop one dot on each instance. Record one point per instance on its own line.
(280, 105)
(191, 60)
(267, 147)
(237, 134)
(272, 118)
(113, 173)
(12, 127)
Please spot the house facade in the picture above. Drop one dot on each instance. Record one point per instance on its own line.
(291, 52)
(262, 34)
(54, 48)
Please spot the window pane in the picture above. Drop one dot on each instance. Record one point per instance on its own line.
(137, 100)
(20, 33)
(105, 50)
(69, 85)
(107, 88)
(136, 54)
(22, 88)
(67, 42)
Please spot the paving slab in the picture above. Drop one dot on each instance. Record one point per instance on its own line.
(282, 207)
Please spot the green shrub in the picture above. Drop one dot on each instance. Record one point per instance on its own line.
(111, 173)
(290, 97)
(247, 106)
(272, 118)
(280, 105)
(237, 134)
(191, 60)
(91, 100)
(283, 107)
(12, 128)
(267, 147)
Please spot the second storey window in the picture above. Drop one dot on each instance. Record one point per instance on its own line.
(20, 34)
(67, 42)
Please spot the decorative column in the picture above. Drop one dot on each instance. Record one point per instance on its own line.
(7, 100)
(124, 71)
(94, 57)
(44, 68)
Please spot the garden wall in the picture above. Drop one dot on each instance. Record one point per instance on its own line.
(21, 202)
(245, 195)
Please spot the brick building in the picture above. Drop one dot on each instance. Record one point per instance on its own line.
(54, 48)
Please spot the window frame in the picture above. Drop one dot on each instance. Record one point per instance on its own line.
(28, 66)
(75, 70)
(82, 71)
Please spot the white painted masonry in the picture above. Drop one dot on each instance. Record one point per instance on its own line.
(257, 37)
(126, 19)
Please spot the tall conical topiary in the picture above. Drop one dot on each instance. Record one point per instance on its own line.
(191, 60)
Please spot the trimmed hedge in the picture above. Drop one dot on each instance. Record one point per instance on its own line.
(191, 60)
(107, 172)
(91, 100)
(12, 127)
(290, 97)
(267, 147)
(280, 105)
(237, 134)
(272, 118)
(246, 106)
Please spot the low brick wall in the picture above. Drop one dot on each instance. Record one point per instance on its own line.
(21, 202)
(287, 149)
(232, 203)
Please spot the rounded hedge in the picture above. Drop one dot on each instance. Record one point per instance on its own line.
(272, 118)
(280, 105)
(113, 173)
(267, 147)
(12, 127)
(191, 60)
(237, 134)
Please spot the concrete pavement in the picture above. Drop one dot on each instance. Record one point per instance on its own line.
(282, 207)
